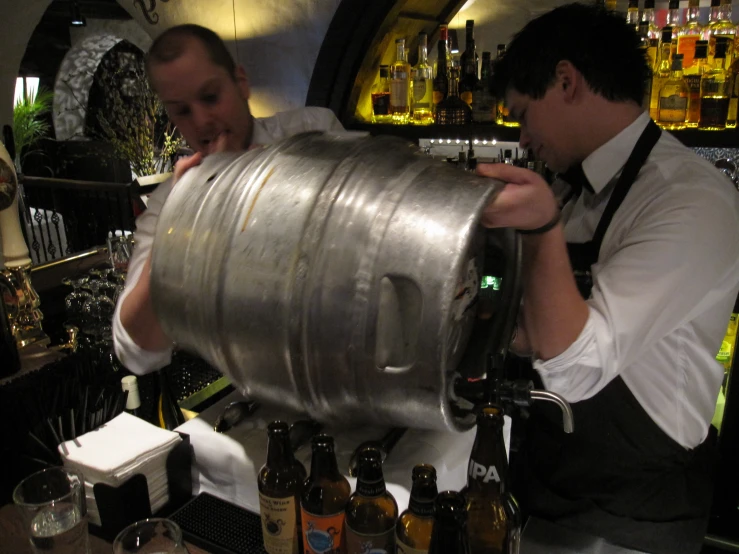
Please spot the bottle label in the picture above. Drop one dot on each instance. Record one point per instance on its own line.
(322, 534)
(399, 93)
(402, 548)
(371, 490)
(279, 524)
(479, 472)
(673, 109)
(419, 90)
(380, 543)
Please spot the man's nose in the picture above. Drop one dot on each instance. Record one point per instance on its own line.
(201, 118)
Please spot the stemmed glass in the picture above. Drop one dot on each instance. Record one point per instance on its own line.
(119, 251)
(98, 310)
(75, 300)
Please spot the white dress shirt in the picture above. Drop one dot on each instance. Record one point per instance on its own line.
(266, 131)
(664, 285)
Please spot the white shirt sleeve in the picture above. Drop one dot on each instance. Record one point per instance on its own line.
(131, 355)
(660, 287)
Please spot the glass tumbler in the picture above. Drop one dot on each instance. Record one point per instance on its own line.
(150, 536)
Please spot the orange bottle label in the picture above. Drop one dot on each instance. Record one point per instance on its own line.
(322, 534)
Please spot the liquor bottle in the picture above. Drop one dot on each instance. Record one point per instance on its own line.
(400, 75)
(414, 526)
(693, 77)
(441, 79)
(650, 55)
(280, 483)
(673, 19)
(733, 89)
(649, 16)
(689, 34)
(11, 362)
(632, 13)
(371, 512)
(468, 63)
(130, 386)
(673, 98)
(449, 535)
(713, 19)
(662, 73)
(381, 97)
(452, 110)
(324, 498)
(423, 89)
(483, 102)
(502, 114)
(723, 27)
(493, 517)
(715, 91)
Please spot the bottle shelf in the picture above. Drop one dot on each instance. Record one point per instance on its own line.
(489, 131)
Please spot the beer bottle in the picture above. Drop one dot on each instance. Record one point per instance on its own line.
(372, 511)
(449, 535)
(324, 499)
(413, 530)
(280, 483)
(494, 520)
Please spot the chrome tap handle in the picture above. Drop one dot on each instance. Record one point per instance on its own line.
(568, 421)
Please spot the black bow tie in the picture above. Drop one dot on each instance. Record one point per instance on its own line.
(576, 178)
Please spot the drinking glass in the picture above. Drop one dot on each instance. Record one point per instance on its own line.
(75, 300)
(97, 311)
(52, 504)
(119, 251)
(150, 536)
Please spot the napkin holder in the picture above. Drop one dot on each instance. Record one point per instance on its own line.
(129, 502)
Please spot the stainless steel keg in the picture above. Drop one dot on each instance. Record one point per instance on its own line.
(332, 273)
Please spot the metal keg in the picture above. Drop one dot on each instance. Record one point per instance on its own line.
(331, 273)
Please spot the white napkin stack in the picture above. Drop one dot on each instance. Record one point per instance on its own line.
(116, 451)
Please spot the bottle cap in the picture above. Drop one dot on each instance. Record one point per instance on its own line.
(701, 49)
(677, 61)
(633, 3)
(399, 41)
(648, 4)
(674, 4)
(131, 384)
(667, 34)
(721, 46)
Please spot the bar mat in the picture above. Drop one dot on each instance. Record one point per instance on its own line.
(219, 526)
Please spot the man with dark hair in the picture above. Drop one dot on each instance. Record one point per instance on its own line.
(628, 287)
(206, 96)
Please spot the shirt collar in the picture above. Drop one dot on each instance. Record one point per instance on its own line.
(602, 165)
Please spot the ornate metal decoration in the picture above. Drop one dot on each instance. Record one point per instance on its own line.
(148, 7)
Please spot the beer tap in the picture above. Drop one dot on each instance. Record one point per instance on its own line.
(512, 394)
(22, 301)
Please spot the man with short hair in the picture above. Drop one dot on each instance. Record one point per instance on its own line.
(626, 297)
(206, 96)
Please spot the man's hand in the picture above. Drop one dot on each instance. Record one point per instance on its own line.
(527, 201)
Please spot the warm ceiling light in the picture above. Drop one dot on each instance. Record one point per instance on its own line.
(76, 19)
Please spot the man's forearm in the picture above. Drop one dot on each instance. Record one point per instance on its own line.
(554, 311)
(138, 317)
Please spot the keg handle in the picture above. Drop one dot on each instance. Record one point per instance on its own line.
(519, 393)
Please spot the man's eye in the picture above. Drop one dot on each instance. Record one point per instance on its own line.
(182, 112)
(210, 99)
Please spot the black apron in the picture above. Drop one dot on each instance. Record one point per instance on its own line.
(618, 476)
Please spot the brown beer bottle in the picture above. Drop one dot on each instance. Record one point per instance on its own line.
(372, 511)
(494, 520)
(324, 499)
(413, 529)
(280, 484)
(449, 535)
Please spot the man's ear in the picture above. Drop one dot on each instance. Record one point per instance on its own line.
(242, 82)
(567, 79)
